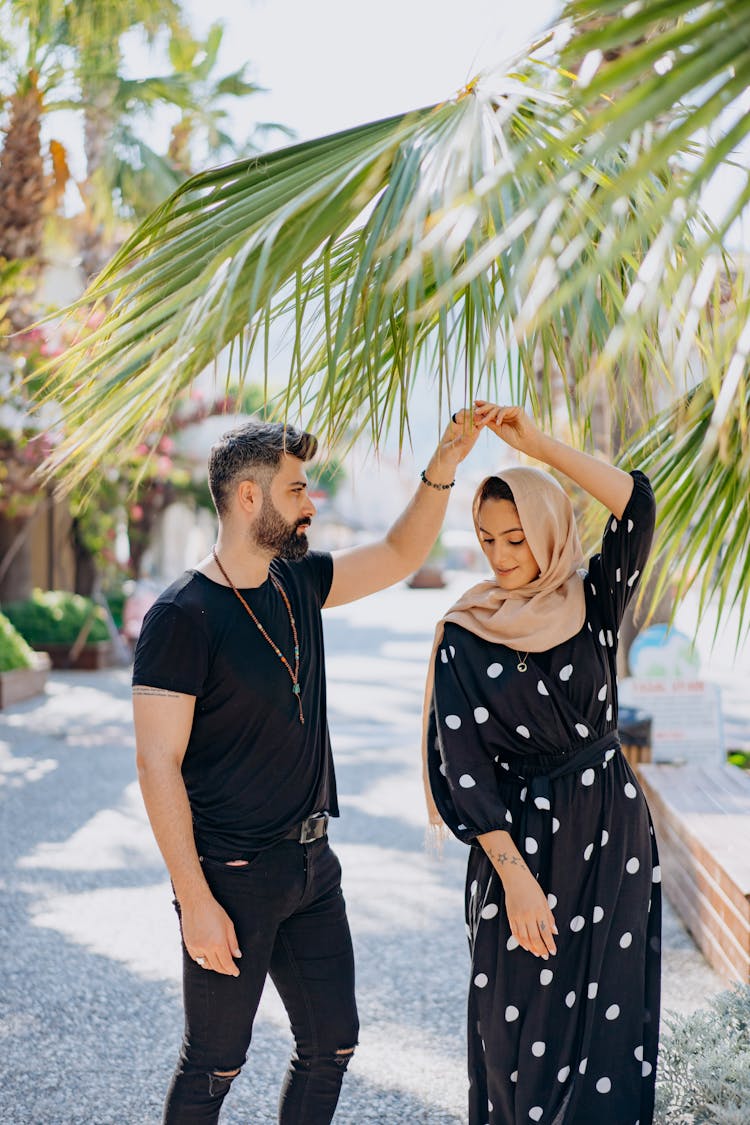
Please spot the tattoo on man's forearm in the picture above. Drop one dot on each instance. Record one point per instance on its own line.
(140, 690)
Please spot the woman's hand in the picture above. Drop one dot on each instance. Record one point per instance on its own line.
(532, 923)
(514, 426)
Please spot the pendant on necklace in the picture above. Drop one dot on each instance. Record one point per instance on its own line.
(522, 666)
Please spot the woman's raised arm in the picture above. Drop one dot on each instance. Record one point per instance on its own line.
(606, 483)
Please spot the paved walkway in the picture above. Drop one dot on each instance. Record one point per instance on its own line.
(89, 979)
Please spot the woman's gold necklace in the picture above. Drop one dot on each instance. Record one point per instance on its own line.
(294, 674)
(521, 665)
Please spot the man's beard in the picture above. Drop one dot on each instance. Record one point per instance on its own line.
(273, 534)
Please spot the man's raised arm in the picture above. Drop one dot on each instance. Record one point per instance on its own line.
(364, 570)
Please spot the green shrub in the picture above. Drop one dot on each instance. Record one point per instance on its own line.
(14, 651)
(55, 617)
(704, 1064)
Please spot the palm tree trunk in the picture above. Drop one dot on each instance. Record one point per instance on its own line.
(23, 190)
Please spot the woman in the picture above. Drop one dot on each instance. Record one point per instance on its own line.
(563, 904)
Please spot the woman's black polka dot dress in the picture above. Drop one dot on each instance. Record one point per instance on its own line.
(571, 1040)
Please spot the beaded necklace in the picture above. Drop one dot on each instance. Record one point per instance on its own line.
(294, 675)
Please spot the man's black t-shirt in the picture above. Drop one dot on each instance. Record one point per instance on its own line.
(251, 769)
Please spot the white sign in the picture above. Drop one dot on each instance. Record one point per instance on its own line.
(686, 718)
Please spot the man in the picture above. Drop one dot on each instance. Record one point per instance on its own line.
(235, 765)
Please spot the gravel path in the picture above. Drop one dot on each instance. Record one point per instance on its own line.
(89, 985)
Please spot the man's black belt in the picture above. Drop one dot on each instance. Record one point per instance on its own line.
(311, 828)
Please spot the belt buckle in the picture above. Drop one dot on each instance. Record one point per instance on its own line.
(313, 827)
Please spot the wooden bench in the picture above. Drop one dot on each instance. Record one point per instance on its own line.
(702, 820)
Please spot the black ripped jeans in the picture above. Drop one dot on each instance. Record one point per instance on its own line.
(290, 917)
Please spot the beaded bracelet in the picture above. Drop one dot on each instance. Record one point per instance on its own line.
(440, 487)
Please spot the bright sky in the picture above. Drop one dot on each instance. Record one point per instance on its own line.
(336, 63)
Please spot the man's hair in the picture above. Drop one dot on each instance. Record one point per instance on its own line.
(495, 488)
(253, 452)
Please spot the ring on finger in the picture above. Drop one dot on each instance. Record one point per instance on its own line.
(454, 419)
(200, 961)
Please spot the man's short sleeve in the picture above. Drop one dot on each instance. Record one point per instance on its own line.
(172, 651)
(319, 568)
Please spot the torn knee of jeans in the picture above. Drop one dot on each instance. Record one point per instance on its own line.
(219, 1081)
(343, 1056)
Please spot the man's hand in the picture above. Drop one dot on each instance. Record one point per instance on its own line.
(209, 936)
(460, 437)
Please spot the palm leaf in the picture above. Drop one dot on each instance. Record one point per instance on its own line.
(540, 225)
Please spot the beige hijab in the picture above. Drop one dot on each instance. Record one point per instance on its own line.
(534, 618)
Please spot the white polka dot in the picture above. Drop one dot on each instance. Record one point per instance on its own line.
(481, 714)
(523, 731)
(546, 976)
(626, 940)
(610, 638)
(566, 672)
(633, 577)
(602, 693)
(541, 688)
(630, 790)
(511, 1013)
(638, 1052)
(473, 888)
(609, 754)
(511, 943)
(514, 1076)
(551, 900)
(490, 910)
(577, 923)
(582, 730)
(490, 1106)
(588, 623)
(452, 721)
(504, 766)
(598, 914)
(612, 1012)
(480, 980)
(542, 803)
(535, 1113)
(563, 1073)
(646, 1069)
(494, 671)
(592, 990)
(555, 824)
(588, 777)
(609, 713)
(461, 827)
(466, 781)
(443, 656)
(538, 1048)
(523, 793)
(602, 638)
(618, 575)
(604, 1085)
(613, 525)
(656, 874)
(509, 817)
(588, 852)
(593, 589)
(582, 1066)
(631, 525)
(633, 865)
(605, 836)
(451, 650)
(570, 999)
(531, 845)
(442, 768)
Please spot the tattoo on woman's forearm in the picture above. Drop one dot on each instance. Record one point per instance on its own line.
(501, 858)
(140, 690)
